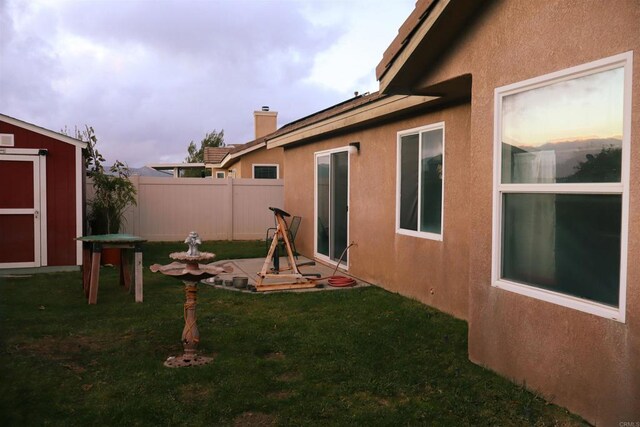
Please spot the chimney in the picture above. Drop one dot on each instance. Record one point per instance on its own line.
(266, 121)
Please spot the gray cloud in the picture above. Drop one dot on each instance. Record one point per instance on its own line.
(152, 76)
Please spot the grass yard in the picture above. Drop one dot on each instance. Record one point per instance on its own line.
(361, 357)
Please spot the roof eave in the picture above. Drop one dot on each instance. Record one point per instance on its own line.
(432, 36)
(375, 111)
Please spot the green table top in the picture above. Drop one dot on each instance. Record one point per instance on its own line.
(111, 238)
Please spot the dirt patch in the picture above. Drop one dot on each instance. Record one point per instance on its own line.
(280, 395)
(197, 392)
(254, 419)
(66, 348)
(276, 355)
(289, 377)
(74, 367)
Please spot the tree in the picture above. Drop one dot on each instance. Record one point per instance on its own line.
(114, 192)
(213, 139)
(92, 157)
(601, 167)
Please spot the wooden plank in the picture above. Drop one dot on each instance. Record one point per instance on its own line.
(285, 286)
(95, 276)
(138, 275)
(281, 276)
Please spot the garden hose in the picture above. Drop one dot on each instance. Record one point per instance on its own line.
(341, 281)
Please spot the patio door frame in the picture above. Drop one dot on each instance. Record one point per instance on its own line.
(327, 153)
(39, 210)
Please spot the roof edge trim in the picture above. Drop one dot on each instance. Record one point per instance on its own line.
(395, 64)
(373, 111)
(43, 131)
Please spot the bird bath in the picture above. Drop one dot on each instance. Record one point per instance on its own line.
(187, 268)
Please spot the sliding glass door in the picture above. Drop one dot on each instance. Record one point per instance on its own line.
(332, 198)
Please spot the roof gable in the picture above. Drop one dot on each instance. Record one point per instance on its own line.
(215, 154)
(429, 31)
(42, 131)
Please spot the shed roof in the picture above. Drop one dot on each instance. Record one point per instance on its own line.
(42, 131)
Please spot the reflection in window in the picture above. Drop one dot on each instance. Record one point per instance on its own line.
(420, 166)
(569, 131)
(567, 243)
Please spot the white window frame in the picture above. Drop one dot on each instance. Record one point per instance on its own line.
(253, 169)
(624, 60)
(418, 233)
(344, 265)
(219, 173)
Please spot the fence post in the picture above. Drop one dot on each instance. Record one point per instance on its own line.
(135, 210)
(228, 209)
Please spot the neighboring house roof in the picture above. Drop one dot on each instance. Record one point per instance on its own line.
(216, 154)
(175, 165)
(234, 152)
(42, 131)
(148, 171)
(350, 114)
(143, 171)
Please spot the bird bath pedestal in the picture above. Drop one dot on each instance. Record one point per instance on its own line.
(187, 268)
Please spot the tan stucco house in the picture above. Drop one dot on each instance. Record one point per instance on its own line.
(496, 177)
(250, 160)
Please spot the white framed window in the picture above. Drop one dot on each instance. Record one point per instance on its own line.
(220, 174)
(267, 171)
(420, 182)
(561, 186)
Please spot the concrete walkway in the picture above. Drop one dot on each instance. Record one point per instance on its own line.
(250, 268)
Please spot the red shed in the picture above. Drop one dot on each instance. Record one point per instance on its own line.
(41, 196)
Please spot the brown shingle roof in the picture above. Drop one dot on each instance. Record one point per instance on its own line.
(249, 144)
(348, 105)
(215, 154)
(404, 33)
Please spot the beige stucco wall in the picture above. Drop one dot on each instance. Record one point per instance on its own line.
(587, 363)
(262, 156)
(381, 256)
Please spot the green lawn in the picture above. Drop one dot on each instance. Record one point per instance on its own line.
(355, 357)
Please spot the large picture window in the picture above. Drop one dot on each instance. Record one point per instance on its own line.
(561, 186)
(419, 197)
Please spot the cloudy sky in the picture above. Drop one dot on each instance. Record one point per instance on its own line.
(152, 75)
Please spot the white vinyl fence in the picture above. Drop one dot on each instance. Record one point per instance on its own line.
(218, 209)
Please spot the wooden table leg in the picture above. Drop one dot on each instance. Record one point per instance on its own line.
(86, 268)
(125, 271)
(95, 274)
(138, 273)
